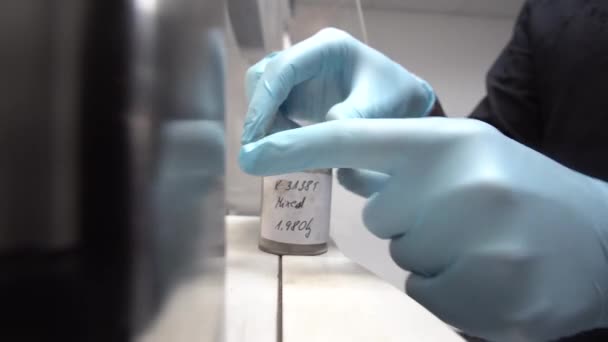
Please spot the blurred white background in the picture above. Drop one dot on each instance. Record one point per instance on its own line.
(449, 43)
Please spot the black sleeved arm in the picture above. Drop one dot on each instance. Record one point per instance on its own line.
(511, 101)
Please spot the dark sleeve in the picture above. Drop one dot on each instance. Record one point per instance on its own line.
(511, 103)
(437, 109)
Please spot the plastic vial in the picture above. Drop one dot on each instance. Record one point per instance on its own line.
(295, 213)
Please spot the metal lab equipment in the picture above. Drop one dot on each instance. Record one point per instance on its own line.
(111, 170)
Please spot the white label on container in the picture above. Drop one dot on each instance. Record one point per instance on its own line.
(296, 207)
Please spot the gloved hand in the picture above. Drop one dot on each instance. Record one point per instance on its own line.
(329, 76)
(503, 242)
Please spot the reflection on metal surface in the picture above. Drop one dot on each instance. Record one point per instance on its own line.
(188, 261)
(112, 170)
(178, 110)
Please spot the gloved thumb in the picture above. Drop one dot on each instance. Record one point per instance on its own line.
(344, 110)
(362, 182)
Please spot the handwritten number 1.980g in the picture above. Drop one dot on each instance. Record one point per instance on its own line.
(297, 225)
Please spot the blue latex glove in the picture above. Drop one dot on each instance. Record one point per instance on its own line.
(329, 76)
(503, 242)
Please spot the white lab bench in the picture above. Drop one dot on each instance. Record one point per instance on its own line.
(314, 299)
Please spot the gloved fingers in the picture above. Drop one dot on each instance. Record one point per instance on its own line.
(462, 296)
(254, 74)
(262, 110)
(356, 143)
(252, 78)
(389, 213)
(378, 145)
(436, 296)
(344, 110)
(362, 182)
(420, 287)
(326, 51)
(424, 290)
(415, 255)
(282, 123)
(365, 103)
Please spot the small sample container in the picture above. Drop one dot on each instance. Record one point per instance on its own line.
(295, 213)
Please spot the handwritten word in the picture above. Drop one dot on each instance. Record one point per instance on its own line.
(283, 203)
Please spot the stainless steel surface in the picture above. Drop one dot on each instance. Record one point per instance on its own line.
(259, 25)
(483, 8)
(38, 115)
(112, 170)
